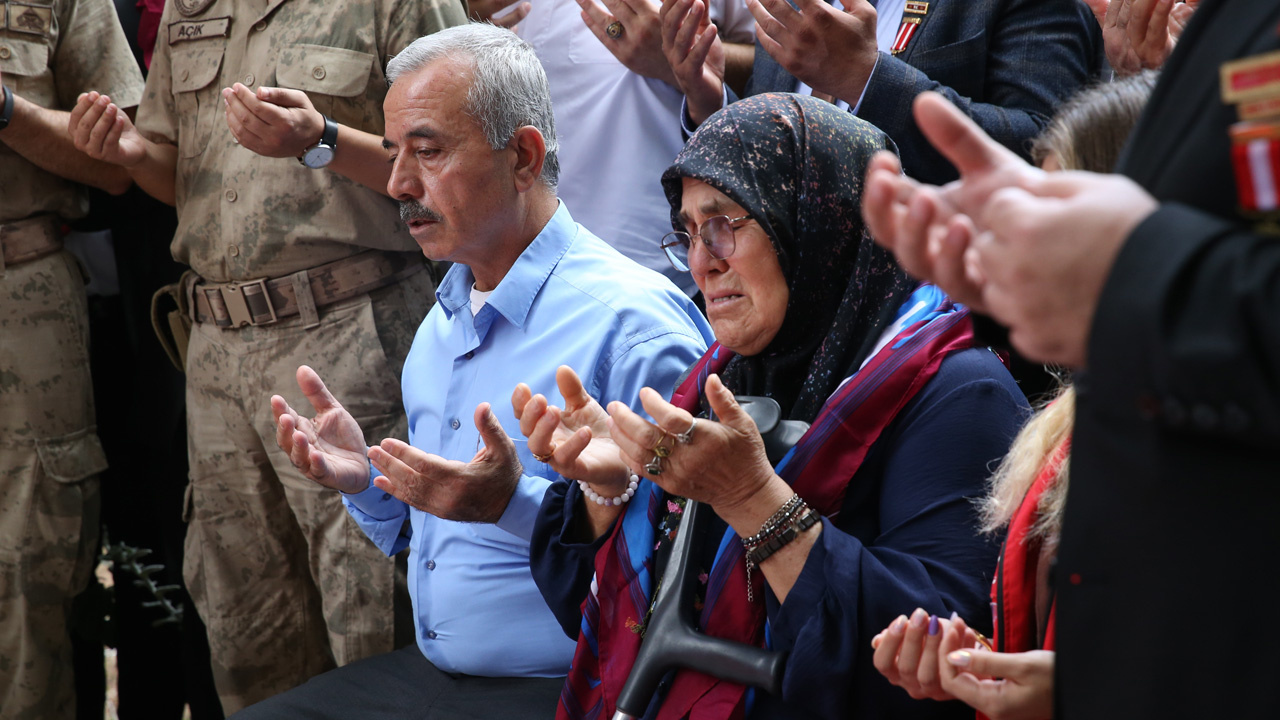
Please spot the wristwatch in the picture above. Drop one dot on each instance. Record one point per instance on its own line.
(321, 154)
(6, 114)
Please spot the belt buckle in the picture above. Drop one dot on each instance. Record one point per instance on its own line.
(237, 298)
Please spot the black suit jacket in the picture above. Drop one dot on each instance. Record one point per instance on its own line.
(1008, 64)
(1170, 550)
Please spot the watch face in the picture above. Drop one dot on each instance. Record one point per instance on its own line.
(318, 156)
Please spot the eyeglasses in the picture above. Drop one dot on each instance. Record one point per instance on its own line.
(717, 235)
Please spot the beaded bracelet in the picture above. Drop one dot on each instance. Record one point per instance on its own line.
(799, 521)
(598, 499)
(760, 553)
(776, 521)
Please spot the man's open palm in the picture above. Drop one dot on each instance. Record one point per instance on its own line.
(328, 448)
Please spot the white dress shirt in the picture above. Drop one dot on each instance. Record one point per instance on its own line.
(618, 131)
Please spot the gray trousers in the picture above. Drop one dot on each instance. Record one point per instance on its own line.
(405, 685)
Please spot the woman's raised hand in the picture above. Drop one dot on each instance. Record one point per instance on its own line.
(574, 440)
(721, 463)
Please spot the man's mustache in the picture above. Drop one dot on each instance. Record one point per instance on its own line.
(411, 210)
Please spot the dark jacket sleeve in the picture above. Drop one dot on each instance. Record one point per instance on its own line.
(907, 537)
(1009, 76)
(1185, 332)
(562, 567)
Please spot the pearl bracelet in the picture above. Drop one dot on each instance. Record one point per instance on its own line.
(596, 498)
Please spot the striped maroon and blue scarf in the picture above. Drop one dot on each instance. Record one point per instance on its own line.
(819, 468)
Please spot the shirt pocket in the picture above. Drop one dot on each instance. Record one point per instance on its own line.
(960, 66)
(335, 79)
(64, 516)
(24, 64)
(532, 466)
(195, 67)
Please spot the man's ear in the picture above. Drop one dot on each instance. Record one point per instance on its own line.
(531, 152)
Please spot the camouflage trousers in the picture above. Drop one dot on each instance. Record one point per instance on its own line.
(49, 498)
(283, 578)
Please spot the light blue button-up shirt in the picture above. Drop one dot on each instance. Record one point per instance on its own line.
(570, 299)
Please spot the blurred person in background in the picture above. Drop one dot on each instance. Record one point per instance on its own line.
(50, 454)
(617, 107)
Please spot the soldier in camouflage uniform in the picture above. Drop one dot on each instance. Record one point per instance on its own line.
(50, 51)
(285, 581)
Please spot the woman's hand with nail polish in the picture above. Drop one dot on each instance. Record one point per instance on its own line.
(1024, 690)
(906, 653)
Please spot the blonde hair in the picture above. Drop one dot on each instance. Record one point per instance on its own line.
(1090, 129)
(1034, 446)
(1087, 133)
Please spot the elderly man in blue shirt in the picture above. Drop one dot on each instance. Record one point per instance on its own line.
(471, 141)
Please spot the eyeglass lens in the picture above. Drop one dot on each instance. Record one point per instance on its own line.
(716, 233)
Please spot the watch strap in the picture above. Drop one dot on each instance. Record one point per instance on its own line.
(328, 138)
(6, 113)
(330, 135)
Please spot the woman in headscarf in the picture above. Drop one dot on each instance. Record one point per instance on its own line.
(872, 509)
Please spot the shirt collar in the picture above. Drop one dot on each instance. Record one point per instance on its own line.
(516, 291)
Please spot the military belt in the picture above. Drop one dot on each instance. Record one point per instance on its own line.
(269, 300)
(29, 239)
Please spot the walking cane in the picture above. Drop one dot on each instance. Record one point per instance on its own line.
(671, 641)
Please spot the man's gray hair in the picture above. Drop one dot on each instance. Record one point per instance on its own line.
(508, 88)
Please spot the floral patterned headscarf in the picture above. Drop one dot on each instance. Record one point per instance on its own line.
(796, 164)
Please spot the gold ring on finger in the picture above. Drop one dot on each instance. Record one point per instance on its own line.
(613, 30)
(547, 457)
(661, 450)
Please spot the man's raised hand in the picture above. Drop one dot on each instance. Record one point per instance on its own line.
(104, 132)
(478, 491)
(273, 122)
(930, 228)
(695, 54)
(328, 448)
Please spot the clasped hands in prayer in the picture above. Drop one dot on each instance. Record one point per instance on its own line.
(723, 464)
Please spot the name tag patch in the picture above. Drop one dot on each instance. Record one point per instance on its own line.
(31, 19)
(188, 8)
(184, 30)
(1252, 84)
(1251, 79)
